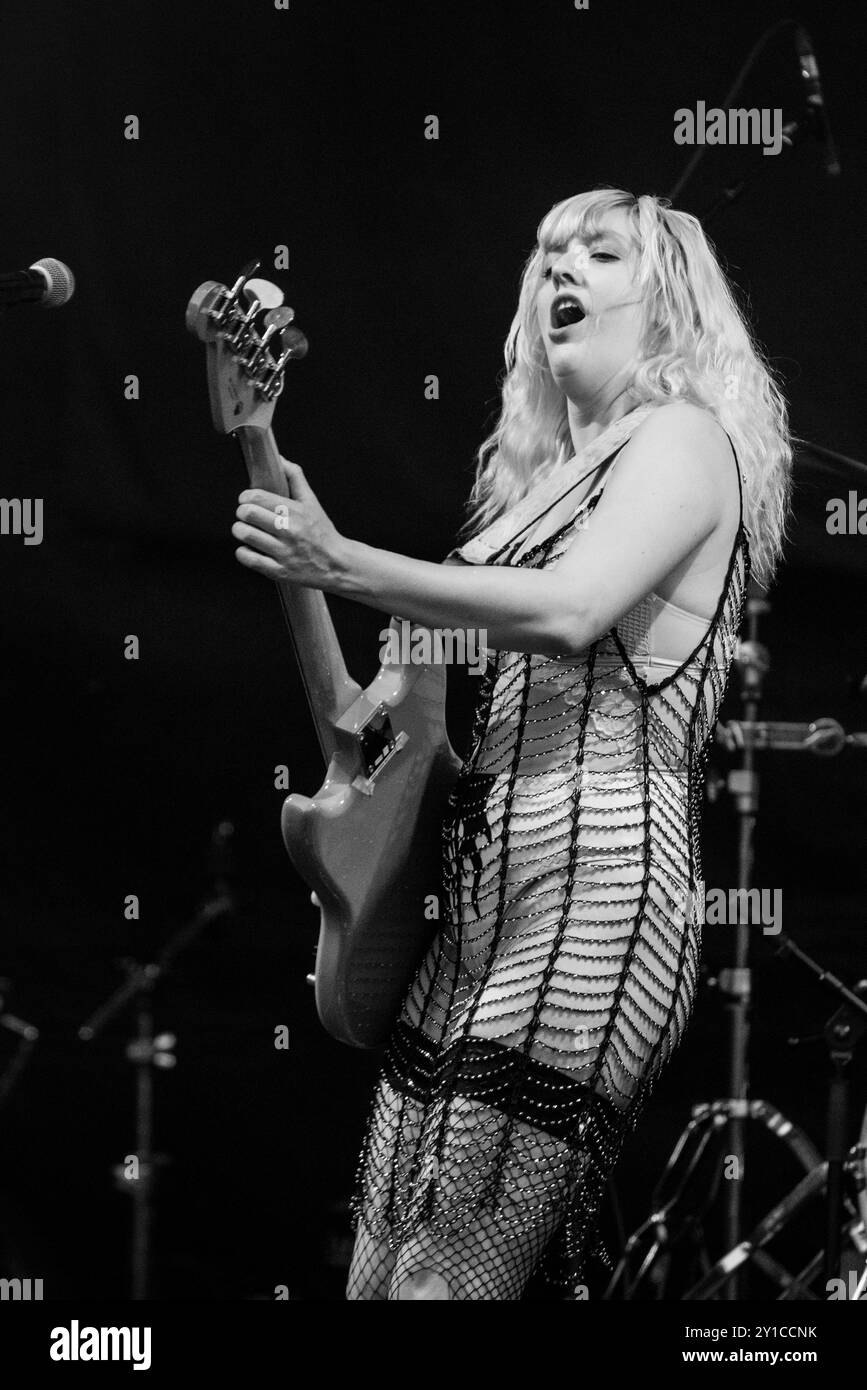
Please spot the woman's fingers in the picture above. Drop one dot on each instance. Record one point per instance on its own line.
(266, 518)
(267, 502)
(261, 541)
(315, 901)
(252, 560)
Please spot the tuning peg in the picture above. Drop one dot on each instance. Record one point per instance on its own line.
(259, 357)
(295, 346)
(231, 294)
(279, 318)
(269, 296)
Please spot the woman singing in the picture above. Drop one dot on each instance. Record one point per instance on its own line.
(639, 470)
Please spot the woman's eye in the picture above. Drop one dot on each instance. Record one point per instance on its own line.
(596, 256)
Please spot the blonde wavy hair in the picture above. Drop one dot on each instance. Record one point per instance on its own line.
(695, 346)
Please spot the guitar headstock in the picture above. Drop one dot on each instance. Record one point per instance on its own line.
(250, 340)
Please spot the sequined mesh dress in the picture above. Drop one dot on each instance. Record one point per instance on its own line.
(564, 971)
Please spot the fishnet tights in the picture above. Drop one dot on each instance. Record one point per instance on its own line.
(490, 1253)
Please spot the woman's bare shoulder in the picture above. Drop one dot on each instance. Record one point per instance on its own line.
(679, 457)
(686, 427)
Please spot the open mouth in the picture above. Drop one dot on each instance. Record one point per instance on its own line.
(565, 310)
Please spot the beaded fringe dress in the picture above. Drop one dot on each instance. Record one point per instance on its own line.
(565, 967)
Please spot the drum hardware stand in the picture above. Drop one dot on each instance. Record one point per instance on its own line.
(145, 1050)
(735, 984)
(677, 1212)
(721, 1124)
(841, 1035)
(824, 737)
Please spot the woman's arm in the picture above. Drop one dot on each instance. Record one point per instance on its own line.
(663, 499)
(513, 609)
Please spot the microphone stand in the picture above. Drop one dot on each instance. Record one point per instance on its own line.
(27, 1035)
(145, 1050)
(793, 133)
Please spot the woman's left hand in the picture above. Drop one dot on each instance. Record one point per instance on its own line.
(288, 538)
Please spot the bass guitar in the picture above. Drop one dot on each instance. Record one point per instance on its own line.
(368, 841)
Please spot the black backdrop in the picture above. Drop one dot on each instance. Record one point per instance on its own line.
(305, 127)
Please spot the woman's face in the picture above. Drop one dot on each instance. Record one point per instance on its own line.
(592, 349)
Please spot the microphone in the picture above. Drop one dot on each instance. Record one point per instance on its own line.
(815, 98)
(48, 282)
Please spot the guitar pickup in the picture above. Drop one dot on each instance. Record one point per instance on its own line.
(377, 745)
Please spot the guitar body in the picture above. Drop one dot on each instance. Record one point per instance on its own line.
(370, 848)
(369, 841)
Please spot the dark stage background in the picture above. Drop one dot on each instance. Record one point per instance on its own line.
(261, 128)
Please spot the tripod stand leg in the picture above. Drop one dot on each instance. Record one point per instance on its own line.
(776, 1218)
(704, 1126)
(621, 1271)
(792, 1285)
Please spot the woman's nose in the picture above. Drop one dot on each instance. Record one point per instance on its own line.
(569, 269)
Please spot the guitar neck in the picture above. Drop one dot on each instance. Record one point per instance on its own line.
(329, 688)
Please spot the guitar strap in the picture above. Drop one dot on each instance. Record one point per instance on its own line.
(508, 528)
